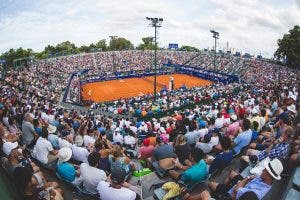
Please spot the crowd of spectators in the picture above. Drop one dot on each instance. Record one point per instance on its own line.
(257, 121)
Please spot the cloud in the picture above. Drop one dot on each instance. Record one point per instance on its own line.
(249, 25)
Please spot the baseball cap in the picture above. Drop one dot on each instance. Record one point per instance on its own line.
(118, 175)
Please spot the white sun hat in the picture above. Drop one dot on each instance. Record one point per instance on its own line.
(64, 154)
(274, 168)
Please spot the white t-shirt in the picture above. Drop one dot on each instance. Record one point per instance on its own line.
(91, 177)
(88, 140)
(128, 139)
(219, 123)
(118, 138)
(214, 141)
(42, 149)
(80, 153)
(203, 132)
(64, 143)
(109, 193)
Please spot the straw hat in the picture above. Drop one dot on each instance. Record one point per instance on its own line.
(64, 154)
(274, 168)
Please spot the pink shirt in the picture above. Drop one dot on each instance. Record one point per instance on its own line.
(146, 151)
(232, 129)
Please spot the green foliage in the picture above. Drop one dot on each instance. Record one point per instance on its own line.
(289, 47)
(188, 48)
(120, 44)
(148, 44)
(14, 54)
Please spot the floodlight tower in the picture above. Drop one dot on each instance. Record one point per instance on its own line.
(156, 23)
(216, 36)
(113, 44)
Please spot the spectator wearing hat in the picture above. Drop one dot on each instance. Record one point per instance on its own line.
(114, 188)
(235, 186)
(66, 170)
(146, 150)
(256, 117)
(90, 174)
(52, 137)
(15, 158)
(43, 150)
(233, 128)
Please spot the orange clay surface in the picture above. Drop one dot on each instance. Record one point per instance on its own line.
(131, 87)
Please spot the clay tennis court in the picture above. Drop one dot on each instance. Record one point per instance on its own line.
(131, 87)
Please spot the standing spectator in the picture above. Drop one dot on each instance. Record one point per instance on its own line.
(28, 132)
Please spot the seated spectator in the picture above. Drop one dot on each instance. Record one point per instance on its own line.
(66, 170)
(146, 150)
(196, 173)
(90, 174)
(235, 186)
(15, 158)
(224, 158)
(192, 136)
(243, 139)
(163, 155)
(80, 153)
(43, 150)
(104, 148)
(182, 150)
(233, 128)
(254, 130)
(130, 140)
(52, 137)
(34, 185)
(205, 144)
(119, 160)
(277, 149)
(115, 188)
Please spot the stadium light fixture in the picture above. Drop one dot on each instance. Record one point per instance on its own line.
(113, 38)
(215, 36)
(156, 23)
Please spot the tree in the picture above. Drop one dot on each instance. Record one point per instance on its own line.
(13, 54)
(188, 48)
(148, 44)
(289, 48)
(102, 45)
(120, 44)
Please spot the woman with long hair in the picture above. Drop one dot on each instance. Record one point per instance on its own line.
(182, 150)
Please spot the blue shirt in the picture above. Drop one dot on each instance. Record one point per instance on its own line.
(242, 140)
(53, 139)
(256, 185)
(279, 151)
(38, 130)
(221, 161)
(196, 173)
(66, 171)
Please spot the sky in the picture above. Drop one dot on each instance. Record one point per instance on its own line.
(251, 26)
